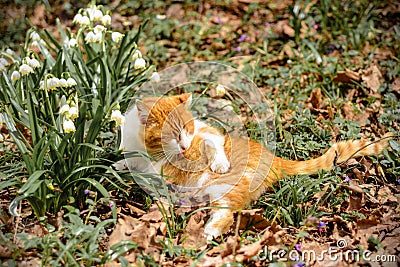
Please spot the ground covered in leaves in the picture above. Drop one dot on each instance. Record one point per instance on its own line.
(331, 71)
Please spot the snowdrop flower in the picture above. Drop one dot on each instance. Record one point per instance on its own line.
(84, 21)
(81, 20)
(106, 20)
(92, 37)
(4, 61)
(2, 67)
(64, 110)
(41, 85)
(71, 82)
(161, 17)
(70, 42)
(155, 77)
(33, 62)
(77, 19)
(35, 43)
(220, 90)
(25, 69)
(94, 13)
(69, 126)
(9, 52)
(1, 138)
(73, 113)
(136, 55)
(90, 12)
(63, 83)
(99, 29)
(52, 83)
(140, 63)
(35, 36)
(116, 36)
(15, 75)
(98, 15)
(117, 117)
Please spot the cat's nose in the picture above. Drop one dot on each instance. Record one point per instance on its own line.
(183, 147)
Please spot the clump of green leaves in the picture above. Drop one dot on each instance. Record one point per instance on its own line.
(78, 241)
(61, 106)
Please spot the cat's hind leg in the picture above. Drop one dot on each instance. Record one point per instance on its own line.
(220, 221)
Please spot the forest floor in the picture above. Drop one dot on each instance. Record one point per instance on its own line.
(331, 70)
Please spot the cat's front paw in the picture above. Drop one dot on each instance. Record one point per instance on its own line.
(220, 165)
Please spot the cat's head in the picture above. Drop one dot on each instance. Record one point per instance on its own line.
(168, 125)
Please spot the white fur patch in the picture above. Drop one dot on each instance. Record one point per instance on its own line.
(204, 178)
(210, 230)
(130, 142)
(217, 191)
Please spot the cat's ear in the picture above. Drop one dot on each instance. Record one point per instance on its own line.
(143, 112)
(186, 98)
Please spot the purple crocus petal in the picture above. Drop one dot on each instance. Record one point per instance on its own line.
(87, 191)
(238, 49)
(111, 204)
(219, 21)
(321, 225)
(398, 181)
(347, 179)
(298, 247)
(299, 264)
(267, 24)
(242, 38)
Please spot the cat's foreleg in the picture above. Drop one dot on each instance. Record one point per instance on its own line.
(220, 163)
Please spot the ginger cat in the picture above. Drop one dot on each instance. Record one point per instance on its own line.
(167, 139)
(187, 151)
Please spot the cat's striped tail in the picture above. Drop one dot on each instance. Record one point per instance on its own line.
(338, 153)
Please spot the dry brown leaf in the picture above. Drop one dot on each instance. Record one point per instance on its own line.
(154, 214)
(385, 195)
(355, 203)
(282, 27)
(135, 210)
(133, 229)
(367, 223)
(346, 76)
(354, 187)
(372, 77)
(193, 234)
(316, 98)
(396, 85)
(253, 218)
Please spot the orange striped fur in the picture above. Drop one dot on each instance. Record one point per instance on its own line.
(253, 168)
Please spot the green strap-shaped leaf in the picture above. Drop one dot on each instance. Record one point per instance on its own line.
(32, 182)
